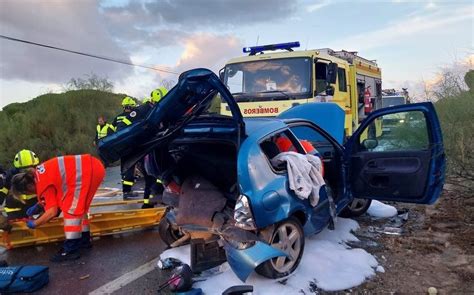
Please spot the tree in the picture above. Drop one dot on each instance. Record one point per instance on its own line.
(91, 82)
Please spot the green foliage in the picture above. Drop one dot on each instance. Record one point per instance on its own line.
(55, 124)
(457, 122)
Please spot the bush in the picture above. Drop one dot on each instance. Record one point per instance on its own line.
(55, 124)
(457, 122)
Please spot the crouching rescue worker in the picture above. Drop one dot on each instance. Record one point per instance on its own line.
(16, 207)
(65, 184)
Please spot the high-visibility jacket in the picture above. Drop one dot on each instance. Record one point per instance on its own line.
(123, 120)
(70, 176)
(103, 131)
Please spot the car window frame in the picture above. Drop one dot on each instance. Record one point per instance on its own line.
(293, 139)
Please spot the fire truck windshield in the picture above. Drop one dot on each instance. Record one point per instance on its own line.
(286, 78)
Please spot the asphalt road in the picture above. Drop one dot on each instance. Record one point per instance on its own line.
(110, 258)
(113, 260)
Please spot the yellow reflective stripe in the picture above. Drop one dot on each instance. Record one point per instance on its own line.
(4, 190)
(159, 181)
(146, 201)
(27, 197)
(111, 127)
(127, 182)
(124, 120)
(8, 210)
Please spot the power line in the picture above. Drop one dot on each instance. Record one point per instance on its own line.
(87, 54)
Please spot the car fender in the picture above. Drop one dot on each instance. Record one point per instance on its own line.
(243, 262)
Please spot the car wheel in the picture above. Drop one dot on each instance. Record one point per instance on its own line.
(287, 236)
(168, 233)
(356, 208)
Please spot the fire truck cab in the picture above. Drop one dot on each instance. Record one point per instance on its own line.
(273, 78)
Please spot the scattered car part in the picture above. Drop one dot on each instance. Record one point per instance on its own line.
(356, 208)
(206, 255)
(181, 280)
(239, 290)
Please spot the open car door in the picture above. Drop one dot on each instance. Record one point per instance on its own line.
(397, 154)
(192, 96)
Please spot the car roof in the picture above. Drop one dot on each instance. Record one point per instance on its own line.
(260, 127)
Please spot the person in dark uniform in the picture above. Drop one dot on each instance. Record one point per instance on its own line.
(123, 120)
(153, 185)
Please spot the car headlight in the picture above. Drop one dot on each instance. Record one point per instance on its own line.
(243, 215)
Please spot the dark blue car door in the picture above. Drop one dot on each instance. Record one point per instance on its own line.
(397, 154)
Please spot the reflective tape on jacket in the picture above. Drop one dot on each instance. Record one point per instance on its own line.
(27, 197)
(8, 210)
(146, 201)
(71, 178)
(159, 181)
(4, 190)
(124, 120)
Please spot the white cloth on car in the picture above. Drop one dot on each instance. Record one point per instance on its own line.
(304, 174)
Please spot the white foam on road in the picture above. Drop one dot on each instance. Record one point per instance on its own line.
(327, 261)
(381, 210)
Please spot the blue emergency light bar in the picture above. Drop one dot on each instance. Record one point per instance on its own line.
(285, 46)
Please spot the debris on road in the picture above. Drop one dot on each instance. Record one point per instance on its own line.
(381, 210)
(339, 266)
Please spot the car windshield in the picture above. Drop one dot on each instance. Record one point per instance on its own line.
(286, 78)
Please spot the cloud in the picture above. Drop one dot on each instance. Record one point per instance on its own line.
(75, 25)
(317, 6)
(208, 50)
(184, 13)
(199, 50)
(406, 27)
(164, 23)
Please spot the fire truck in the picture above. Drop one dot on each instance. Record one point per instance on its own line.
(273, 78)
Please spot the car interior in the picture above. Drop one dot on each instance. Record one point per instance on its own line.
(330, 156)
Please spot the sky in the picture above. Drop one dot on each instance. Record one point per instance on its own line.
(411, 40)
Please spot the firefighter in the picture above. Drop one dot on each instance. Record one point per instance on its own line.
(103, 129)
(153, 185)
(65, 184)
(123, 120)
(16, 207)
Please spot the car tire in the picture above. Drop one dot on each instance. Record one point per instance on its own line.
(356, 208)
(283, 266)
(168, 234)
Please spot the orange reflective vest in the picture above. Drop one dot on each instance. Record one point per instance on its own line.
(71, 178)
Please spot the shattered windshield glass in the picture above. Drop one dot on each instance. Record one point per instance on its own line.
(287, 78)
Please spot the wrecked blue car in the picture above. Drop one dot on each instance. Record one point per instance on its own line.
(221, 185)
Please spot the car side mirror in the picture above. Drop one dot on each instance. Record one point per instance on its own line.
(221, 75)
(332, 73)
(330, 90)
(370, 144)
